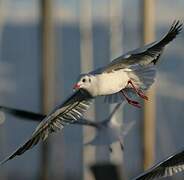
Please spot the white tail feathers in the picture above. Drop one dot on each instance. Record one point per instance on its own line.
(143, 77)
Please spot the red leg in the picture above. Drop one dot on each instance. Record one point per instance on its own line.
(134, 103)
(138, 91)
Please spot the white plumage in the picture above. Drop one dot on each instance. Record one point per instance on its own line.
(111, 83)
(132, 71)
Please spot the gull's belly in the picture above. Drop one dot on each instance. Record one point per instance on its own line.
(110, 83)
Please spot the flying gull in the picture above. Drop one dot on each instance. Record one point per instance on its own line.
(131, 73)
(111, 130)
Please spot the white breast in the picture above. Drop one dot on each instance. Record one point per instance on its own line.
(110, 83)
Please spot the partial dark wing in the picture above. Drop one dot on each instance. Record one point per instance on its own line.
(68, 112)
(172, 165)
(147, 54)
(23, 114)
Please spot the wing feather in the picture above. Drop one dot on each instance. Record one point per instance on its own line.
(147, 54)
(172, 165)
(62, 115)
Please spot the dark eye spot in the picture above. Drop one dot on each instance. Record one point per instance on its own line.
(84, 80)
(89, 80)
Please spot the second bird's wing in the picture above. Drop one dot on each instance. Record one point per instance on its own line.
(23, 113)
(168, 167)
(148, 54)
(68, 112)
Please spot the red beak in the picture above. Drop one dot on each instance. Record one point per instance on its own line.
(76, 86)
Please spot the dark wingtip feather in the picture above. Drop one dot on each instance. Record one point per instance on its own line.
(7, 159)
(26, 146)
(175, 29)
(4, 161)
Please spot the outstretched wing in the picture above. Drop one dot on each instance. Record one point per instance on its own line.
(147, 54)
(172, 165)
(68, 112)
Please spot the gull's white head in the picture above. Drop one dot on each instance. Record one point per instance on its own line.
(85, 82)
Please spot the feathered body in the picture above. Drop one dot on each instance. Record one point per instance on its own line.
(134, 70)
(109, 83)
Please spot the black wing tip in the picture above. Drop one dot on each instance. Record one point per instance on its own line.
(174, 30)
(176, 27)
(14, 154)
(4, 161)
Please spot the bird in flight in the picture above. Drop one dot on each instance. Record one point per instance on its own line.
(111, 130)
(170, 166)
(129, 74)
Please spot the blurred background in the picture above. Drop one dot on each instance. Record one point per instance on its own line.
(45, 45)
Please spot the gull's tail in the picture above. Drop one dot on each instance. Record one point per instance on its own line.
(143, 77)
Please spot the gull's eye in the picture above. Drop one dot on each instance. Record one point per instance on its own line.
(84, 80)
(89, 80)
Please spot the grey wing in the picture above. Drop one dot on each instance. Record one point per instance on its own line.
(127, 127)
(146, 55)
(113, 113)
(168, 167)
(68, 112)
